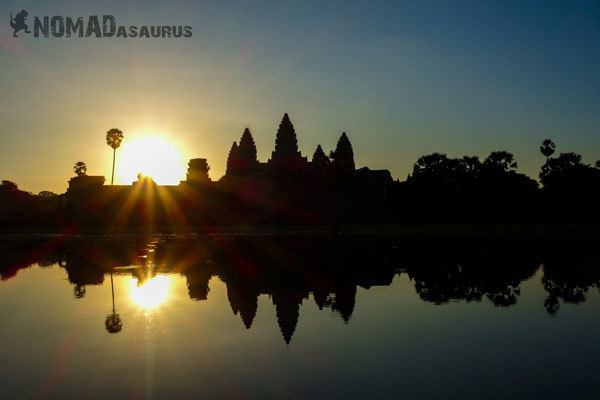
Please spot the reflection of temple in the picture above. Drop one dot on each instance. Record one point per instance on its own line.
(285, 270)
(288, 280)
(289, 269)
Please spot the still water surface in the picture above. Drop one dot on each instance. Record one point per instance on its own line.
(297, 317)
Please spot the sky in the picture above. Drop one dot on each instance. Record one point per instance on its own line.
(402, 78)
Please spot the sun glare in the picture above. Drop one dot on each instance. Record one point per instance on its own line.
(152, 156)
(152, 293)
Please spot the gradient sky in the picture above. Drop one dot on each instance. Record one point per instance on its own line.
(403, 78)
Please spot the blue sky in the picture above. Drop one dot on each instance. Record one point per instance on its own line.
(402, 78)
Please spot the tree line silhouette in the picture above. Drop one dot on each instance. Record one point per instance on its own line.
(330, 269)
(327, 190)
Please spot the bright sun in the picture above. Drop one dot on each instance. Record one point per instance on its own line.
(151, 293)
(152, 156)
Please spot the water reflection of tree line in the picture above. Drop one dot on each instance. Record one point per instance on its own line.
(495, 274)
(289, 268)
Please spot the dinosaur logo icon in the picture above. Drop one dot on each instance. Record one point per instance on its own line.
(19, 22)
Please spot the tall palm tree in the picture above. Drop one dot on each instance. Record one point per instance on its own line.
(114, 137)
(547, 149)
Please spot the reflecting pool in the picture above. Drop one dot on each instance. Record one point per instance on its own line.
(298, 316)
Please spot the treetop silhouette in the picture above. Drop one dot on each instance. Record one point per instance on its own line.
(547, 148)
(567, 174)
(501, 161)
(472, 164)
(114, 137)
(8, 186)
(47, 194)
(80, 168)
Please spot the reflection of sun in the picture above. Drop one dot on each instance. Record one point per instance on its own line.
(152, 293)
(152, 156)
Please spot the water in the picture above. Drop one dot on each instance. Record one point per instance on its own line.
(298, 316)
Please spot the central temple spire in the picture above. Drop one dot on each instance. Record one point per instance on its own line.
(286, 154)
(286, 142)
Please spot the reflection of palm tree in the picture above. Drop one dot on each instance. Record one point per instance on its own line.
(551, 304)
(79, 291)
(113, 321)
(114, 137)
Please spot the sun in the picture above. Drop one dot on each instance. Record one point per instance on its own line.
(152, 293)
(150, 155)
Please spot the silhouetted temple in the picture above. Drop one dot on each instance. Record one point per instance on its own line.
(288, 188)
(327, 190)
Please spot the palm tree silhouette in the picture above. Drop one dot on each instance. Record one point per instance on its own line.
(547, 149)
(80, 168)
(114, 137)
